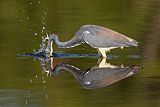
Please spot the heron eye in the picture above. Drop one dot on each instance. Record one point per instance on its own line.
(86, 32)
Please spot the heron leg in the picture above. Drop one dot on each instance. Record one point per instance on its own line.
(102, 63)
(101, 52)
(105, 64)
(99, 61)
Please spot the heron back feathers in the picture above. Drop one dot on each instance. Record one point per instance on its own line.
(101, 37)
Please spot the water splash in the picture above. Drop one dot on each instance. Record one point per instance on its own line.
(43, 22)
(40, 53)
(43, 45)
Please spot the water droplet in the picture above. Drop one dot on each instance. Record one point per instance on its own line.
(49, 32)
(31, 3)
(44, 81)
(20, 20)
(39, 2)
(35, 34)
(26, 102)
(23, 11)
(46, 96)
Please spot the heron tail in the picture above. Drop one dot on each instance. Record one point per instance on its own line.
(134, 43)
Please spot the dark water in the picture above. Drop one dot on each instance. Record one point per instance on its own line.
(25, 81)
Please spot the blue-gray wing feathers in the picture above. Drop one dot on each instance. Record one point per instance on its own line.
(101, 37)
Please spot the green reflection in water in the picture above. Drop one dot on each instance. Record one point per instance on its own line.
(22, 20)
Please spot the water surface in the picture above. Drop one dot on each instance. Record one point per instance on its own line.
(23, 81)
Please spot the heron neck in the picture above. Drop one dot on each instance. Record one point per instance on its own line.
(71, 43)
(59, 43)
(77, 73)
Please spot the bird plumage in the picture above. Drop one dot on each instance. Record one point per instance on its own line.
(97, 77)
(101, 38)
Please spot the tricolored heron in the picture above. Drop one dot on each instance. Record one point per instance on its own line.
(98, 76)
(101, 38)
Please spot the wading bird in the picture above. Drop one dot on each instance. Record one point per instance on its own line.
(98, 37)
(98, 76)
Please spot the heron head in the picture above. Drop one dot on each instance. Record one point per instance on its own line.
(54, 36)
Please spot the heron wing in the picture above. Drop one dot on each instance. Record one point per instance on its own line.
(102, 77)
(98, 36)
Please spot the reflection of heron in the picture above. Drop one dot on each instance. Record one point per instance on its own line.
(101, 38)
(98, 76)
